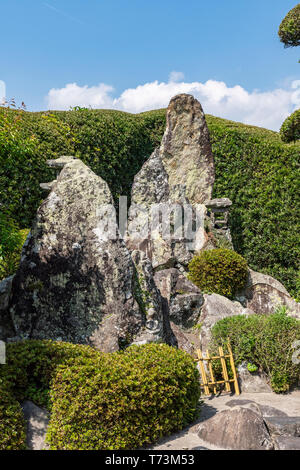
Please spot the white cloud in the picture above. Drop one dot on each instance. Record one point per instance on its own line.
(176, 76)
(74, 95)
(266, 109)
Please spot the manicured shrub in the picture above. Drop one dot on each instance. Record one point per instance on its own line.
(98, 401)
(221, 271)
(12, 426)
(264, 341)
(124, 400)
(31, 365)
(290, 129)
(289, 29)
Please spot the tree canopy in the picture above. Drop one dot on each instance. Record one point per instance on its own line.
(289, 29)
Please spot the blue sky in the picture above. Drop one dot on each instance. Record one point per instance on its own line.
(120, 54)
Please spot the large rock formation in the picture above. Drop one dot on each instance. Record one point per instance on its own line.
(178, 174)
(184, 298)
(215, 308)
(264, 294)
(76, 281)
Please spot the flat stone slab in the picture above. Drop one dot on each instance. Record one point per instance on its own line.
(236, 429)
(284, 426)
(37, 420)
(287, 443)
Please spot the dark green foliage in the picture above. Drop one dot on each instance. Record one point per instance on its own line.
(290, 129)
(32, 364)
(10, 238)
(264, 341)
(221, 271)
(254, 168)
(289, 29)
(99, 401)
(114, 144)
(12, 426)
(123, 401)
(11, 243)
(260, 174)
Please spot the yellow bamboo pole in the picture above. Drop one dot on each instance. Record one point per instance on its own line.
(224, 369)
(208, 358)
(203, 373)
(236, 384)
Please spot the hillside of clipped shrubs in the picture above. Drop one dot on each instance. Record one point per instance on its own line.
(97, 401)
(254, 168)
(265, 343)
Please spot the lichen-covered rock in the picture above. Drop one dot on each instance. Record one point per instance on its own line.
(179, 173)
(186, 340)
(184, 298)
(264, 294)
(156, 322)
(215, 308)
(252, 382)
(76, 279)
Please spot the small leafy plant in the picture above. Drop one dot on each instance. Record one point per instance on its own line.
(265, 342)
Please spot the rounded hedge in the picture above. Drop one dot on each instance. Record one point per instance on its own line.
(220, 270)
(290, 129)
(12, 426)
(97, 401)
(289, 29)
(124, 400)
(265, 341)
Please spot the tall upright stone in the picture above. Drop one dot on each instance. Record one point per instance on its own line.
(76, 281)
(178, 177)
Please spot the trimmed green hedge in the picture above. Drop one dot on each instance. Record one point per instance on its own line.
(12, 425)
(221, 271)
(260, 174)
(98, 401)
(123, 401)
(263, 341)
(254, 168)
(31, 366)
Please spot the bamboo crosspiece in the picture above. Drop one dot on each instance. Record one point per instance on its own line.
(206, 369)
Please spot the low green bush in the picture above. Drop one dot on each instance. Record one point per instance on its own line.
(290, 129)
(12, 426)
(124, 400)
(97, 401)
(31, 365)
(264, 341)
(221, 271)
